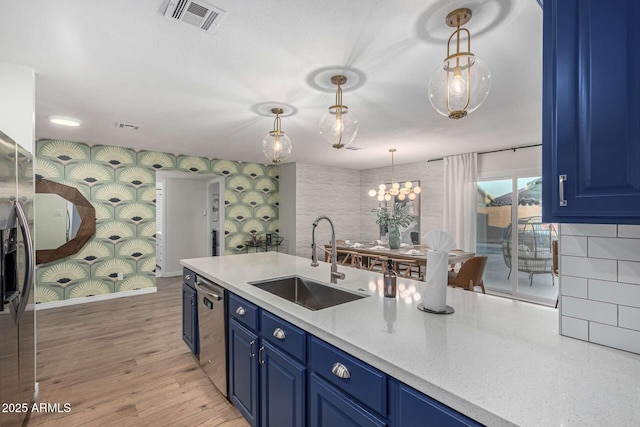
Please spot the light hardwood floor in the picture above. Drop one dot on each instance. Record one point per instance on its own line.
(122, 362)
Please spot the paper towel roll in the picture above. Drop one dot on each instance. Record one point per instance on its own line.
(435, 296)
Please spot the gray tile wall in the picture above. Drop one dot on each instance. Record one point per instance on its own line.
(323, 190)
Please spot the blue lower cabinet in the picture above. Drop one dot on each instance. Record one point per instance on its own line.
(243, 371)
(190, 318)
(282, 389)
(409, 407)
(329, 407)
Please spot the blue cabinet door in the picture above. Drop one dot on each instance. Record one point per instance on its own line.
(329, 407)
(282, 389)
(591, 130)
(243, 371)
(409, 407)
(190, 318)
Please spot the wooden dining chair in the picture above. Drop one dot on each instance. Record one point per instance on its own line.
(407, 268)
(352, 259)
(470, 274)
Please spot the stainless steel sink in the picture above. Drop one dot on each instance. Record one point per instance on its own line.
(307, 293)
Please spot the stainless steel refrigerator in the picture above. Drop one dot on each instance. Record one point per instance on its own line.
(17, 302)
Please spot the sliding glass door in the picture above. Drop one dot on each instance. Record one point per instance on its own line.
(518, 244)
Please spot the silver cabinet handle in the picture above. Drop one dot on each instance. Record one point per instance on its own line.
(340, 371)
(187, 277)
(562, 179)
(240, 311)
(279, 333)
(260, 358)
(251, 353)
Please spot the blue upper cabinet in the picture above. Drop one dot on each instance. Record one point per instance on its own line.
(591, 111)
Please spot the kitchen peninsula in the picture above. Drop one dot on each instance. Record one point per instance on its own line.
(498, 361)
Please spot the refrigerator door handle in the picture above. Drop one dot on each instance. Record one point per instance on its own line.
(28, 251)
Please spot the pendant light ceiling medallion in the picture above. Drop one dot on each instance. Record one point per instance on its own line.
(407, 191)
(276, 145)
(462, 83)
(338, 127)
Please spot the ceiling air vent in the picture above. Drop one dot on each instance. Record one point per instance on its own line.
(128, 126)
(195, 12)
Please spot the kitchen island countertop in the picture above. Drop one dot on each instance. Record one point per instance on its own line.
(499, 361)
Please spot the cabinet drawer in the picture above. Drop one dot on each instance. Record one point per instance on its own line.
(359, 380)
(243, 311)
(189, 277)
(284, 335)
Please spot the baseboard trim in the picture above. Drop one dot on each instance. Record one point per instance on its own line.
(172, 273)
(74, 301)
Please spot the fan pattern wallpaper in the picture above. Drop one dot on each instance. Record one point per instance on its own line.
(121, 184)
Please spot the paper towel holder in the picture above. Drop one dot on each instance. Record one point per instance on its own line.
(447, 310)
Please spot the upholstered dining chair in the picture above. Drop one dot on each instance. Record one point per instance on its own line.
(470, 274)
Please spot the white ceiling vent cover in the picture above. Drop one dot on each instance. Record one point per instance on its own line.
(128, 126)
(195, 12)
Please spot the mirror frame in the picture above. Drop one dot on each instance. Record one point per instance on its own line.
(87, 225)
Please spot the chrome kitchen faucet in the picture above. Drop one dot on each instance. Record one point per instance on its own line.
(335, 274)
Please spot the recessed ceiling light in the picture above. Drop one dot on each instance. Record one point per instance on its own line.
(65, 121)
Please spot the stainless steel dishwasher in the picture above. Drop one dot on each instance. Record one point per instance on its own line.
(213, 343)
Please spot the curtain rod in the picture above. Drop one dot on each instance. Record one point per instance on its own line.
(497, 151)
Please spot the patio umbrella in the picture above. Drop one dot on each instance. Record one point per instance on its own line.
(531, 194)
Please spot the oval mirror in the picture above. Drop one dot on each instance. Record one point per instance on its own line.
(65, 221)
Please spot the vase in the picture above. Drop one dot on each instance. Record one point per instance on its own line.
(394, 236)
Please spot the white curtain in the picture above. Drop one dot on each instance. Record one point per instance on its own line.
(460, 192)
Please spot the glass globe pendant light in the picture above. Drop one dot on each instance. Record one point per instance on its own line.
(408, 191)
(338, 127)
(276, 145)
(462, 83)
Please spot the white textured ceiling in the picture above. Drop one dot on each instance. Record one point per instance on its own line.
(199, 93)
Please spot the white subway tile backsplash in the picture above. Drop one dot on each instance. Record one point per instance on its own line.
(574, 286)
(614, 248)
(599, 230)
(590, 310)
(632, 231)
(629, 317)
(629, 272)
(575, 328)
(624, 339)
(600, 284)
(603, 269)
(574, 245)
(614, 292)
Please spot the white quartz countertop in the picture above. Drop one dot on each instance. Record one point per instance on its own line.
(498, 361)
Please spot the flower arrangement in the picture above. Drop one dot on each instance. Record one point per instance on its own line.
(397, 217)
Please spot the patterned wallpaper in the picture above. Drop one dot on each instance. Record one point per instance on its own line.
(120, 184)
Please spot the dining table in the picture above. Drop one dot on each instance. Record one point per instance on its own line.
(416, 253)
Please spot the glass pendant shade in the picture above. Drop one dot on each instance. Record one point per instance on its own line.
(337, 126)
(462, 83)
(276, 146)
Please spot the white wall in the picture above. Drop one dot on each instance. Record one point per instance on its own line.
(322, 190)
(510, 163)
(287, 206)
(17, 104)
(185, 231)
(431, 177)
